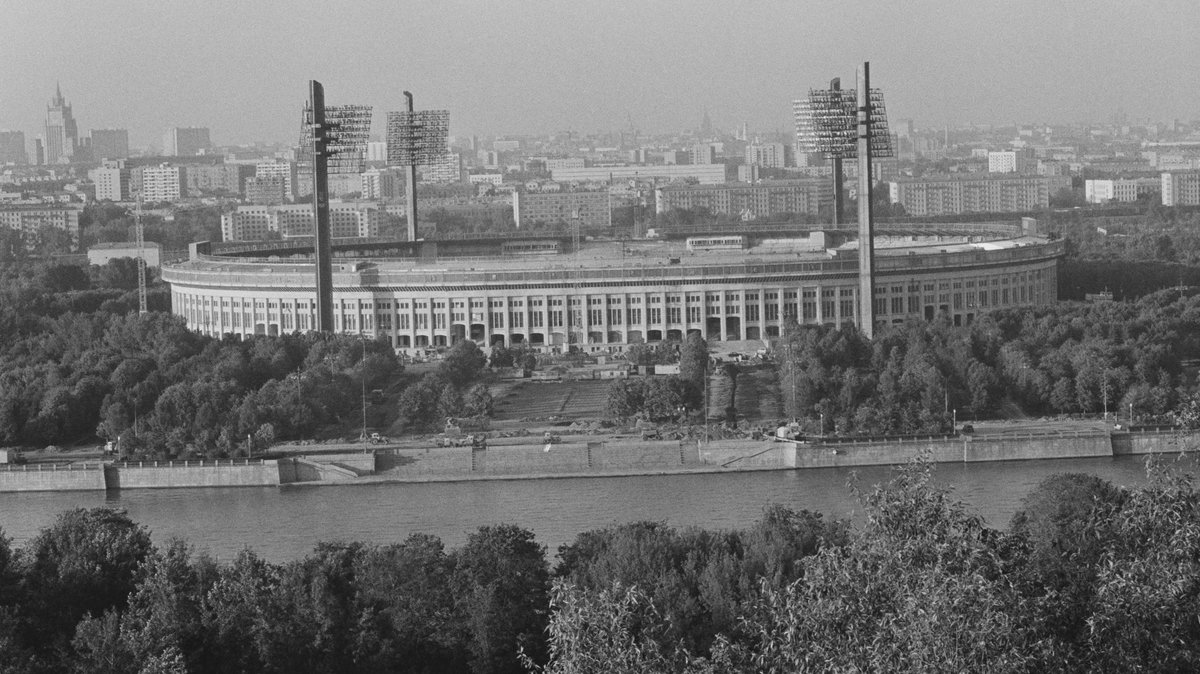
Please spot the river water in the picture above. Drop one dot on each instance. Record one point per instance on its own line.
(286, 523)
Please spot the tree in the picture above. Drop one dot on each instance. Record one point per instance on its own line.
(1143, 615)
(61, 278)
(693, 359)
(406, 608)
(616, 629)
(501, 586)
(463, 363)
(920, 588)
(1065, 521)
(85, 563)
(477, 402)
(624, 398)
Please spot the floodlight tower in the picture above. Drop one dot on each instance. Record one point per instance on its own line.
(835, 84)
(322, 242)
(866, 222)
(141, 253)
(334, 137)
(850, 124)
(415, 137)
(410, 181)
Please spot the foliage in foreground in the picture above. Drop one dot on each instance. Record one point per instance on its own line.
(1087, 578)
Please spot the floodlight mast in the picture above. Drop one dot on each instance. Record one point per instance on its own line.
(322, 246)
(410, 180)
(866, 224)
(836, 85)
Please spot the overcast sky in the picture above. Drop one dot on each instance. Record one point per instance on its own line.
(241, 67)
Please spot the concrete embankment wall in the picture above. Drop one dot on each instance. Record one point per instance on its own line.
(747, 454)
(1155, 442)
(52, 477)
(522, 459)
(534, 459)
(170, 474)
(967, 449)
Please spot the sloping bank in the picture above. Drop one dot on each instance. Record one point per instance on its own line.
(580, 459)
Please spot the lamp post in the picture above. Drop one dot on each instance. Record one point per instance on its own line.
(362, 365)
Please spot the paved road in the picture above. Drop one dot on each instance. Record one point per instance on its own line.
(1040, 426)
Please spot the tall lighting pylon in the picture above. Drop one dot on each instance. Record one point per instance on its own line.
(140, 233)
(866, 222)
(334, 138)
(850, 124)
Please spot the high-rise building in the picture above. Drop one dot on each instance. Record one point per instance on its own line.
(1181, 188)
(382, 184)
(1009, 161)
(204, 180)
(110, 144)
(62, 134)
(767, 155)
(703, 153)
(265, 191)
(377, 150)
(185, 141)
(448, 170)
(12, 147)
(111, 181)
(280, 169)
(162, 183)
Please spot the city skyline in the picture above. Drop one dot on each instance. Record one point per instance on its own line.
(533, 68)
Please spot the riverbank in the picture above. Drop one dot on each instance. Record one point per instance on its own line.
(614, 457)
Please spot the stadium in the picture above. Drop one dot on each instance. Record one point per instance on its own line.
(556, 294)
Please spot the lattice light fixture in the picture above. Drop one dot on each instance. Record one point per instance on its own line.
(417, 137)
(828, 123)
(347, 128)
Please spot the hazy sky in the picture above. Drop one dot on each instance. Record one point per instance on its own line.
(241, 68)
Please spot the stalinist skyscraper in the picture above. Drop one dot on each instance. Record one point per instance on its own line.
(62, 136)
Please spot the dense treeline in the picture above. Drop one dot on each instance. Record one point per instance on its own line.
(77, 361)
(1068, 358)
(1088, 577)
(165, 391)
(1128, 255)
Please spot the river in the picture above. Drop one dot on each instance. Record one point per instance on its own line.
(285, 523)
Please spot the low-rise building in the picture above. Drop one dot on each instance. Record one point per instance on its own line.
(30, 219)
(1122, 189)
(706, 174)
(748, 200)
(592, 210)
(254, 223)
(102, 253)
(976, 193)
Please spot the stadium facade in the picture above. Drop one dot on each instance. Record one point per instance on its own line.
(605, 296)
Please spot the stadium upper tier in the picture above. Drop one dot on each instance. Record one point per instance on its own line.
(606, 295)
